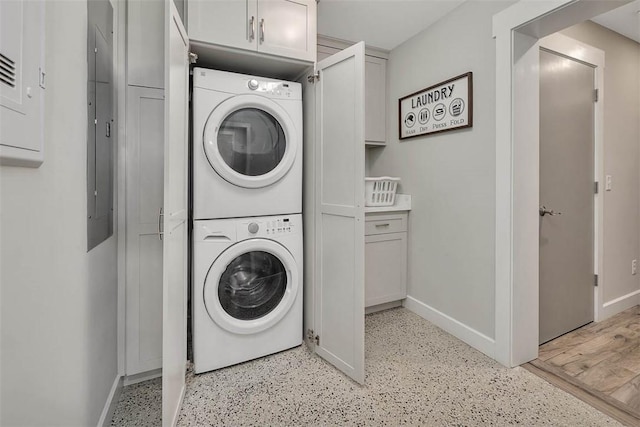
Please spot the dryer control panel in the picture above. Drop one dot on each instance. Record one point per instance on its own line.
(271, 88)
(269, 226)
(238, 84)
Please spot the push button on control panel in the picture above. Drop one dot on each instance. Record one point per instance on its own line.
(253, 228)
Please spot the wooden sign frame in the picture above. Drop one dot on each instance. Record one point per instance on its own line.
(452, 100)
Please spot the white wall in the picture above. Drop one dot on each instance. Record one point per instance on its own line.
(451, 176)
(58, 302)
(621, 155)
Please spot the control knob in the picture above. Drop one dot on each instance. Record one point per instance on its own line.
(253, 228)
(253, 84)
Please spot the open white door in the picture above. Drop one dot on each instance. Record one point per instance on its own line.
(174, 314)
(339, 157)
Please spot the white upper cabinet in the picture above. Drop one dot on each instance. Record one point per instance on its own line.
(285, 28)
(375, 67)
(229, 23)
(375, 129)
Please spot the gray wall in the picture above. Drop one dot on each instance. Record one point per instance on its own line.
(58, 302)
(451, 176)
(621, 154)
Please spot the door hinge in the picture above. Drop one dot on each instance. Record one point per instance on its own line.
(596, 94)
(311, 336)
(596, 187)
(595, 280)
(314, 77)
(193, 58)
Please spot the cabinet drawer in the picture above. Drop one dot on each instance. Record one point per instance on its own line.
(384, 224)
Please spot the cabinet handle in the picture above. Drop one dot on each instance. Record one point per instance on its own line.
(383, 225)
(252, 28)
(160, 232)
(262, 30)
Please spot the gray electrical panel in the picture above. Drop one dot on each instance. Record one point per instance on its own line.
(101, 132)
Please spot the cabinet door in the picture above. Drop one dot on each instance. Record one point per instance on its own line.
(232, 23)
(145, 43)
(174, 247)
(375, 70)
(145, 165)
(287, 28)
(339, 211)
(385, 267)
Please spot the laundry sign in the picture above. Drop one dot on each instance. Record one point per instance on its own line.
(439, 108)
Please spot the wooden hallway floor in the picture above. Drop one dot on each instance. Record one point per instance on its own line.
(601, 358)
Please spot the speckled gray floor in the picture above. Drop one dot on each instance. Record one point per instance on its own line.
(140, 405)
(416, 375)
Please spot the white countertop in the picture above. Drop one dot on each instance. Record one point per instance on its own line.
(402, 203)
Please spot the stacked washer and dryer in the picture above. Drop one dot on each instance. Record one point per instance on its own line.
(247, 222)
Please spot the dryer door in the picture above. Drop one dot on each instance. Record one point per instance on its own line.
(251, 286)
(250, 141)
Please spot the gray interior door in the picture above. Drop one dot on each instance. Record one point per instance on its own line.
(566, 189)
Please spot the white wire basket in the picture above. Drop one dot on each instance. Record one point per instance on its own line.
(380, 191)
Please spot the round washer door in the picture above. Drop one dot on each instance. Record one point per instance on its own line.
(251, 286)
(250, 141)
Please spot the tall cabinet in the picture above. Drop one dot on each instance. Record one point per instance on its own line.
(144, 186)
(385, 228)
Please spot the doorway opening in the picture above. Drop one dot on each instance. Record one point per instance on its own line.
(518, 31)
(520, 192)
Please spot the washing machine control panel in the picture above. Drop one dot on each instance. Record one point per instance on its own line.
(271, 88)
(268, 227)
(279, 227)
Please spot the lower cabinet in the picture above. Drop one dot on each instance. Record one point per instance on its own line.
(385, 258)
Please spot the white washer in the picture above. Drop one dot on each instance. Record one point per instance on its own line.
(247, 289)
(247, 145)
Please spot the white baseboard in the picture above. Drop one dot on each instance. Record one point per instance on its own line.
(459, 330)
(143, 376)
(613, 307)
(111, 403)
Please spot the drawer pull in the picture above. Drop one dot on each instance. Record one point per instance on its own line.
(383, 225)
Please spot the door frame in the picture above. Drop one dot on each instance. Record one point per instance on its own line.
(594, 57)
(265, 105)
(218, 267)
(517, 31)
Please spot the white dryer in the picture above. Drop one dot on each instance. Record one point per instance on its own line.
(247, 145)
(247, 289)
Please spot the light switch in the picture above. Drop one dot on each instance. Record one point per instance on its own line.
(607, 183)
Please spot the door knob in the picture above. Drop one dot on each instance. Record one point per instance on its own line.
(544, 211)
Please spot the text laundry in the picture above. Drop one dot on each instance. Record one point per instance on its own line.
(433, 96)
